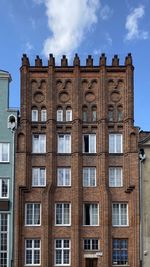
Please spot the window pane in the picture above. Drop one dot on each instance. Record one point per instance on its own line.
(4, 152)
(34, 115)
(68, 115)
(43, 115)
(59, 115)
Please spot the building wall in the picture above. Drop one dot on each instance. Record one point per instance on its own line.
(6, 168)
(145, 199)
(106, 88)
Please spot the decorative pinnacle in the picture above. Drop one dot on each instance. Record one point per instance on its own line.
(64, 61)
(128, 59)
(38, 62)
(89, 61)
(102, 61)
(25, 60)
(76, 61)
(51, 61)
(115, 61)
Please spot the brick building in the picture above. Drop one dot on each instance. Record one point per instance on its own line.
(77, 191)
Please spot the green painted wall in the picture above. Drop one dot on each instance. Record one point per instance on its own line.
(6, 135)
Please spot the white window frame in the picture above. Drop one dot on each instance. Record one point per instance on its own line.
(2, 233)
(88, 171)
(33, 249)
(63, 249)
(64, 143)
(114, 179)
(91, 244)
(39, 143)
(1, 193)
(34, 115)
(63, 214)
(68, 114)
(90, 213)
(114, 146)
(119, 215)
(43, 115)
(32, 215)
(63, 175)
(91, 149)
(39, 176)
(2, 144)
(59, 114)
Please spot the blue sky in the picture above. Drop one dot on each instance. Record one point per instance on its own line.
(40, 27)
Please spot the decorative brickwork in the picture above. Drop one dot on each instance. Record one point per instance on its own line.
(100, 103)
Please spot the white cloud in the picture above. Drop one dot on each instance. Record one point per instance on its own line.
(132, 24)
(108, 39)
(28, 47)
(68, 22)
(106, 12)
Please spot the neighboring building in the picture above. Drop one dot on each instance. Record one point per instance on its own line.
(77, 179)
(144, 145)
(8, 123)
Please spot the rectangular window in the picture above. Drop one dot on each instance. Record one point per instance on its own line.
(38, 176)
(39, 143)
(115, 177)
(32, 252)
(4, 152)
(64, 177)
(59, 115)
(64, 143)
(120, 214)
(89, 143)
(34, 115)
(91, 244)
(68, 115)
(62, 252)
(4, 187)
(43, 115)
(63, 214)
(91, 214)
(32, 214)
(89, 176)
(120, 252)
(4, 239)
(115, 143)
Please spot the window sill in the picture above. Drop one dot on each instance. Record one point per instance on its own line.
(4, 162)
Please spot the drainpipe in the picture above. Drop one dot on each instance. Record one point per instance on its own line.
(142, 158)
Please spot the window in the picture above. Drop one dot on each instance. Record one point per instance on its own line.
(84, 114)
(120, 214)
(39, 143)
(64, 177)
(38, 176)
(94, 115)
(34, 115)
(115, 143)
(63, 214)
(120, 252)
(89, 176)
(32, 252)
(90, 214)
(62, 252)
(64, 143)
(32, 214)
(43, 115)
(119, 113)
(4, 239)
(68, 115)
(59, 115)
(110, 114)
(4, 188)
(4, 152)
(89, 143)
(91, 244)
(115, 177)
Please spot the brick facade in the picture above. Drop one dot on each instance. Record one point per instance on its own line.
(107, 90)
